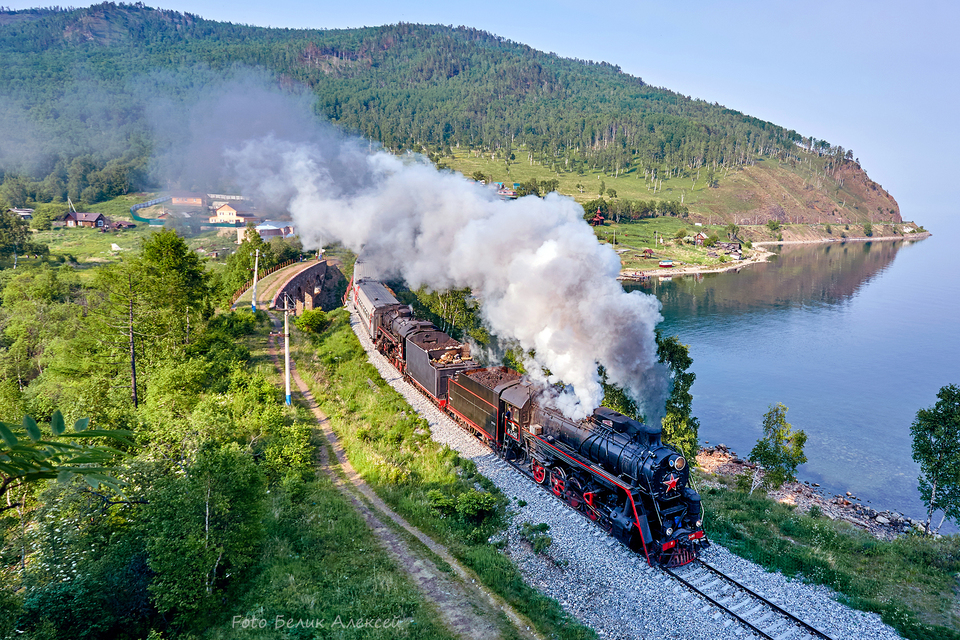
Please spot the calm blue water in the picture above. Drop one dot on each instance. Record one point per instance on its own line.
(854, 339)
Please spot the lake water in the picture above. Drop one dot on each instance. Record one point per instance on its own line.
(853, 338)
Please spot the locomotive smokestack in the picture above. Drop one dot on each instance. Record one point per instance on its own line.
(540, 273)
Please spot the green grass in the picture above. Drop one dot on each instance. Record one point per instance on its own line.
(912, 582)
(320, 561)
(390, 446)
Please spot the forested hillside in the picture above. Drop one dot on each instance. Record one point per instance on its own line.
(80, 85)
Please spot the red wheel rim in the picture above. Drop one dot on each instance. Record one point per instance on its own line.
(539, 473)
(558, 482)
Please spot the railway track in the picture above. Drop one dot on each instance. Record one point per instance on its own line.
(748, 607)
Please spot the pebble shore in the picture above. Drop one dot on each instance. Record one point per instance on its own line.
(606, 586)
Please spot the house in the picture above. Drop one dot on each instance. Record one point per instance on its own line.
(187, 198)
(122, 224)
(597, 220)
(700, 238)
(25, 214)
(268, 229)
(238, 213)
(74, 219)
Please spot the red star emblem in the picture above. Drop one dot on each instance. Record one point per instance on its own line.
(671, 483)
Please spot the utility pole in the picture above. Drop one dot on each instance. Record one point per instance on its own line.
(256, 269)
(286, 343)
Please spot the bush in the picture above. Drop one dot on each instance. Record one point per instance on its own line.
(681, 233)
(711, 241)
(312, 321)
(773, 225)
(868, 229)
(475, 506)
(829, 229)
(444, 505)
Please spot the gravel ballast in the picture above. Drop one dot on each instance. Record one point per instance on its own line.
(606, 586)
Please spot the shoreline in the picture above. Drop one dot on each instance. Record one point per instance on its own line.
(761, 255)
(912, 236)
(719, 461)
(634, 275)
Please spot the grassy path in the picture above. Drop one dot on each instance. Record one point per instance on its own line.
(467, 608)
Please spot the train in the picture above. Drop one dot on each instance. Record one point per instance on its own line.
(613, 469)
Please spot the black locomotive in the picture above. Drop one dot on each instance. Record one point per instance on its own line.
(613, 469)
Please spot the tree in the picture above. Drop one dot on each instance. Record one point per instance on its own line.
(680, 427)
(203, 530)
(936, 448)
(868, 229)
(780, 451)
(15, 237)
(45, 214)
(27, 456)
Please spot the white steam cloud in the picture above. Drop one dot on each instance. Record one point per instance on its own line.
(540, 273)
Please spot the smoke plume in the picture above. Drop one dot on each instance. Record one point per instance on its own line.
(540, 273)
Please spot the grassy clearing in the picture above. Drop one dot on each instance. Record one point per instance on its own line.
(912, 582)
(321, 561)
(431, 486)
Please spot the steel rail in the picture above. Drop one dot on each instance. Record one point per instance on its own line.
(797, 622)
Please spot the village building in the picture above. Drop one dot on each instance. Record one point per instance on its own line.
(187, 198)
(700, 238)
(24, 214)
(74, 219)
(237, 212)
(268, 229)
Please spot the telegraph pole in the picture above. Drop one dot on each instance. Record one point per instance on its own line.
(256, 268)
(286, 343)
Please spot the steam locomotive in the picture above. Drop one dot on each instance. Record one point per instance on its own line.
(612, 468)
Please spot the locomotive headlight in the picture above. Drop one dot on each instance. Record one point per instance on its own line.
(680, 463)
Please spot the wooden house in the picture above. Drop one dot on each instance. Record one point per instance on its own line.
(74, 219)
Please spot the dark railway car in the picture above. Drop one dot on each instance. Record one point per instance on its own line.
(432, 358)
(474, 398)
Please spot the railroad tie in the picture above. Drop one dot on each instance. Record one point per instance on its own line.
(740, 604)
(763, 619)
(757, 608)
(789, 632)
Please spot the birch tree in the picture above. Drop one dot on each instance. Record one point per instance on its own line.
(936, 448)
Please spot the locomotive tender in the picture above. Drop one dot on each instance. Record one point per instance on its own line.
(613, 469)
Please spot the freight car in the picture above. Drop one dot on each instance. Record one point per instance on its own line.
(612, 468)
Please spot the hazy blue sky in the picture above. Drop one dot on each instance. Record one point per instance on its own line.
(879, 77)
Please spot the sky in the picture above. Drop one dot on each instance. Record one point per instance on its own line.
(879, 77)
